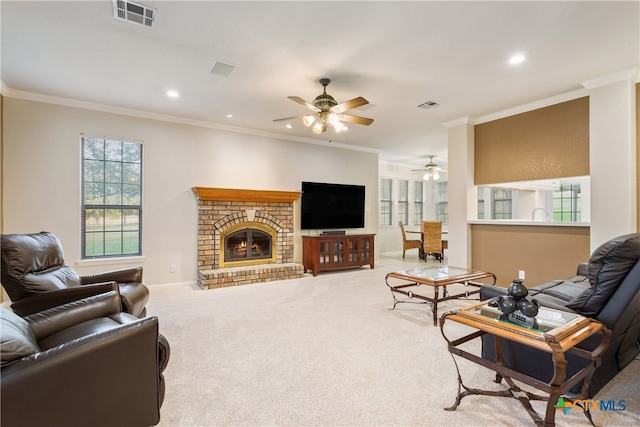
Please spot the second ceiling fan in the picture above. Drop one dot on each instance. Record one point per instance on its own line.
(431, 169)
(327, 111)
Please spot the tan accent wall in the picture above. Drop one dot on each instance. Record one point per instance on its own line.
(1, 162)
(550, 142)
(638, 157)
(2, 297)
(544, 252)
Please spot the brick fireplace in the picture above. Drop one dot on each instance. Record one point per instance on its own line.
(225, 217)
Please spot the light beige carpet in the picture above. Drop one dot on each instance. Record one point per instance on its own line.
(328, 351)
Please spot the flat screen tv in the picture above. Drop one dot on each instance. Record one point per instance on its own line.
(332, 206)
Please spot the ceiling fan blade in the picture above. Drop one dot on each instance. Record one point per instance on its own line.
(349, 105)
(287, 118)
(355, 119)
(304, 103)
(436, 169)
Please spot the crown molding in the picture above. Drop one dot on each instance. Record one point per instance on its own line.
(624, 75)
(74, 103)
(546, 102)
(461, 121)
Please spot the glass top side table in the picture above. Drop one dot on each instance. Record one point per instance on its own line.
(557, 332)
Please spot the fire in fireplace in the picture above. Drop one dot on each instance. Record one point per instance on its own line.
(247, 244)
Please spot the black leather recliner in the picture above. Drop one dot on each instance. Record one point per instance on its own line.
(84, 363)
(36, 277)
(606, 289)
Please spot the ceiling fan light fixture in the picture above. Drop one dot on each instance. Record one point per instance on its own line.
(328, 113)
(309, 119)
(431, 175)
(317, 127)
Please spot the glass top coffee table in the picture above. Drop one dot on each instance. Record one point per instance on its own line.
(408, 283)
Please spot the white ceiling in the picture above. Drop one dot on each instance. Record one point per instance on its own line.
(395, 54)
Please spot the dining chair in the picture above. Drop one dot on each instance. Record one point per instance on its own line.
(432, 239)
(408, 244)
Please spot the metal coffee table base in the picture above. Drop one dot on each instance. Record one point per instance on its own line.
(432, 301)
(435, 278)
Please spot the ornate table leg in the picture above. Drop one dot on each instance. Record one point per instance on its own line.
(435, 305)
(451, 346)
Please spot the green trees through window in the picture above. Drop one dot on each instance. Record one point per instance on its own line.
(111, 198)
(567, 203)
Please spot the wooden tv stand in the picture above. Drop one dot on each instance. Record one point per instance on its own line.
(335, 252)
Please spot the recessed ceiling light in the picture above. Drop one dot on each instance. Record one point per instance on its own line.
(517, 59)
(289, 126)
(228, 116)
(173, 94)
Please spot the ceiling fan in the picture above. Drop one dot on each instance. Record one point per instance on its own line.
(327, 111)
(431, 169)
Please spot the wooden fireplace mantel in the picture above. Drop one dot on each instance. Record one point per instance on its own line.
(239, 195)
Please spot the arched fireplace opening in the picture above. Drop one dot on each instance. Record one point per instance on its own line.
(248, 243)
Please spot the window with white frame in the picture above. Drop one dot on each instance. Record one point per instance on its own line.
(418, 202)
(111, 198)
(567, 203)
(386, 201)
(502, 203)
(442, 204)
(480, 202)
(403, 201)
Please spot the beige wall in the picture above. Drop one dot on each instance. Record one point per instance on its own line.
(550, 142)
(543, 252)
(42, 177)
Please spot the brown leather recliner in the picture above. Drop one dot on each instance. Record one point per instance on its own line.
(36, 277)
(84, 363)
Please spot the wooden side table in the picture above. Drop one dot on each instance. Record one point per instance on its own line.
(556, 332)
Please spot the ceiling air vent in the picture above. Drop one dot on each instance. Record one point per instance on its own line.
(429, 104)
(222, 69)
(133, 12)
